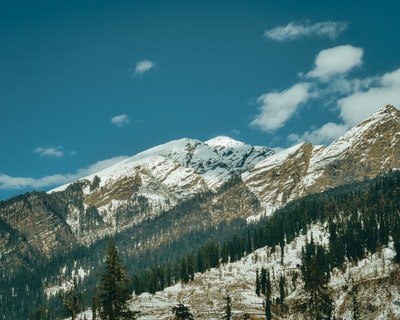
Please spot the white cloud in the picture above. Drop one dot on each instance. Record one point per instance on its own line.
(49, 152)
(362, 103)
(100, 165)
(294, 30)
(363, 98)
(337, 60)
(325, 134)
(120, 120)
(144, 66)
(328, 84)
(279, 107)
(18, 183)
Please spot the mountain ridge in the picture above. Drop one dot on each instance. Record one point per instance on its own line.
(158, 179)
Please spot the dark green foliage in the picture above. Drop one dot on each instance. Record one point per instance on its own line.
(316, 275)
(263, 280)
(337, 247)
(281, 235)
(95, 184)
(113, 290)
(258, 284)
(268, 291)
(282, 288)
(70, 299)
(228, 308)
(396, 240)
(268, 314)
(182, 312)
(40, 314)
(355, 303)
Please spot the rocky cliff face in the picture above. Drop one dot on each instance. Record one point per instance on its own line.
(226, 179)
(365, 151)
(370, 148)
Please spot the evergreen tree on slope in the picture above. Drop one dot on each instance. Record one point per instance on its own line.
(316, 275)
(182, 312)
(113, 292)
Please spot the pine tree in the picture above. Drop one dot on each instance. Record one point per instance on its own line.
(182, 312)
(282, 240)
(282, 284)
(396, 239)
(355, 303)
(268, 314)
(113, 292)
(40, 314)
(315, 271)
(258, 284)
(70, 299)
(94, 307)
(263, 280)
(228, 308)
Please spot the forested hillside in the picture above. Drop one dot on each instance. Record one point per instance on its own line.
(361, 219)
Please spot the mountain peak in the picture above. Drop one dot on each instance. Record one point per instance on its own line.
(383, 121)
(390, 108)
(223, 141)
(388, 112)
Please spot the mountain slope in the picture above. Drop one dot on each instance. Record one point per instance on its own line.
(341, 220)
(154, 181)
(187, 189)
(162, 177)
(365, 151)
(375, 276)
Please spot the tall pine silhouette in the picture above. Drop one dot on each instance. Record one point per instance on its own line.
(113, 292)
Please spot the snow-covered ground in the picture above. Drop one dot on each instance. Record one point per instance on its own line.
(206, 294)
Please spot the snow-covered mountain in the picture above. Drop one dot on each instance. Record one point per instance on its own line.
(188, 189)
(160, 178)
(241, 181)
(176, 170)
(366, 150)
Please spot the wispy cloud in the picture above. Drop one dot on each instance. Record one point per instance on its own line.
(279, 107)
(19, 183)
(295, 30)
(120, 120)
(56, 152)
(337, 60)
(143, 66)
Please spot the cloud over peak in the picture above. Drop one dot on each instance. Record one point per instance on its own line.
(295, 30)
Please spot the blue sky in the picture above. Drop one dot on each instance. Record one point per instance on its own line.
(85, 83)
